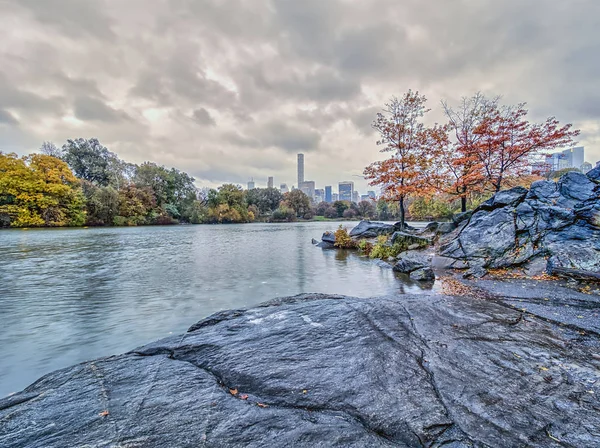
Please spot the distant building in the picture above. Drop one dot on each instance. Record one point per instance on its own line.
(585, 167)
(251, 185)
(372, 194)
(300, 170)
(335, 197)
(270, 182)
(569, 158)
(284, 188)
(355, 196)
(346, 190)
(319, 195)
(308, 188)
(365, 197)
(328, 196)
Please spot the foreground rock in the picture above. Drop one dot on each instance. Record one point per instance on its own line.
(317, 370)
(554, 224)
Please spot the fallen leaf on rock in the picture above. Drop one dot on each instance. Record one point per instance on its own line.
(543, 368)
(244, 397)
(304, 391)
(233, 392)
(262, 405)
(103, 414)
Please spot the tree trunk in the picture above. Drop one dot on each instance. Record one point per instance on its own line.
(401, 203)
(463, 204)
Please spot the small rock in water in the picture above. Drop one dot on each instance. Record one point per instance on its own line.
(422, 275)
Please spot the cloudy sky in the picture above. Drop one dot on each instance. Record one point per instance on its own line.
(231, 89)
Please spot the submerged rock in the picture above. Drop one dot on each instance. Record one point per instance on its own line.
(423, 274)
(317, 370)
(553, 220)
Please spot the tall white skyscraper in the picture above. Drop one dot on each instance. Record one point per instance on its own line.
(270, 182)
(300, 170)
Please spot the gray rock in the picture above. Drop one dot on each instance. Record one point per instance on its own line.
(408, 239)
(422, 275)
(407, 265)
(554, 219)
(446, 227)
(414, 246)
(316, 370)
(430, 227)
(326, 245)
(328, 237)
(368, 229)
(594, 174)
(460, 217)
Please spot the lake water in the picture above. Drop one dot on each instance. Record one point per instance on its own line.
(70, 295)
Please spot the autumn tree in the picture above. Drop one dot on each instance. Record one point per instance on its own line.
(460, 167)
(508, 141)
(402, 133)
(39, 190)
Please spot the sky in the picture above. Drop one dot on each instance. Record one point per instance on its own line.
(232, 90)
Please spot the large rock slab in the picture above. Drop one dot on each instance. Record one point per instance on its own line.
(556, 221)
(316, 370)
(371, 229)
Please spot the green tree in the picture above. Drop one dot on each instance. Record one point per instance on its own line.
(89, 160)
(297, 201)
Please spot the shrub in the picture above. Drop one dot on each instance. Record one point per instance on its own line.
(342, 239)
(365, 247)
(382, 249)
(349, 214)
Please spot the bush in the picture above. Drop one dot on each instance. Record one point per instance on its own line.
(365, 247)
(382, 249)
(342, 239)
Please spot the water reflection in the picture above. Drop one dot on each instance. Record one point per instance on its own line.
(68, 295)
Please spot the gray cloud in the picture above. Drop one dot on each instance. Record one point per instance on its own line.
(7, 118)
(91, 109)
(231, 89)
(203, 117)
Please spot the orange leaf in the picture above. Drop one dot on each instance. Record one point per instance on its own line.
(233, 392)
(244, 396)
(262, 405)
(103, 414)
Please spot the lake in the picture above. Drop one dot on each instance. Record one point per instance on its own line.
(70, 295)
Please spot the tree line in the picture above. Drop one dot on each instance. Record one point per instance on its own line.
(485, 146)
(84, 184)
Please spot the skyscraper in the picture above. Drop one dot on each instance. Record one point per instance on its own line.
(328, 197)
(300, 170)
(346, 190)
(355, 196)
(284, 188)
(270, 182)
(251, 185)
(308, 188)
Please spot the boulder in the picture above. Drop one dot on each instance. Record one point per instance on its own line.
(317, 370)
(328, 237)
(430, 227)
(446, 227)
(460, 217)
(422, 275)
(368, 229)
(517, 227)
(408, 239)
(407, 265)
(594, 174)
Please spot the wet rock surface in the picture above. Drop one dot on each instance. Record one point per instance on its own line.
(321, 370)
(371, 229)
(558, 222)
